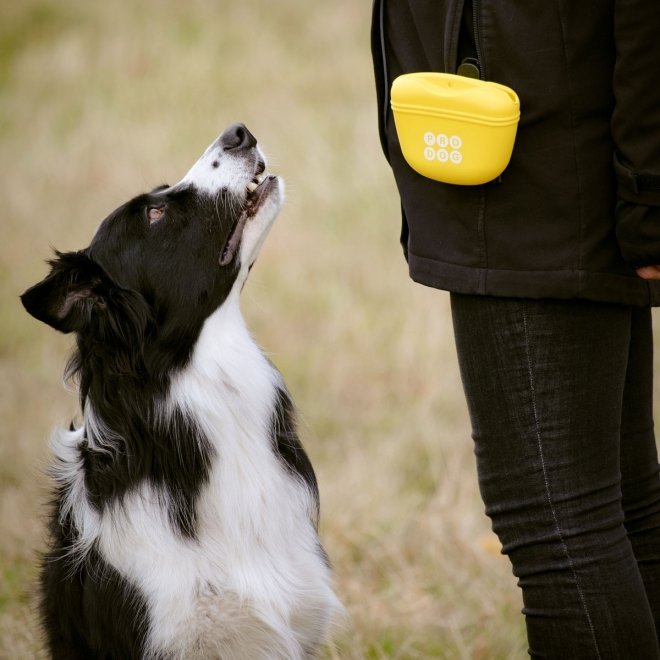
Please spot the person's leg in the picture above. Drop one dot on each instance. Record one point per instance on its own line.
(544, 381)
(639, 459)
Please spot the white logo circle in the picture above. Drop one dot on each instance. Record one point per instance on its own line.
(429, 138)
(443, 155)
(443, 140)
(455, 142)
(456, 157)
(429, 153)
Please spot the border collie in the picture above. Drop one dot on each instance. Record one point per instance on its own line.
(186, 510)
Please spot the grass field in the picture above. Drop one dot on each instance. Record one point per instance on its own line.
(100, 101)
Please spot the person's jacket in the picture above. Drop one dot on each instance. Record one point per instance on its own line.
(578, 207)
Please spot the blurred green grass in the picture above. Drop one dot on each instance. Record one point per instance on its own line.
(100, 101)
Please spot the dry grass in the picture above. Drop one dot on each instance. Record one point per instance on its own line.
(99, 101)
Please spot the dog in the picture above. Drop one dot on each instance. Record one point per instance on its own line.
(186, 510)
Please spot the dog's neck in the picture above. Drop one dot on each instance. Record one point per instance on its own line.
(228, 375)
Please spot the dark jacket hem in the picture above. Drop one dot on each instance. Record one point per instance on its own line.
(600, 287)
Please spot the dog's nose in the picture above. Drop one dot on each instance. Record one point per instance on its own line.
(237, 136)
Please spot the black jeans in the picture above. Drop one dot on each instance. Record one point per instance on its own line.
(560, 398)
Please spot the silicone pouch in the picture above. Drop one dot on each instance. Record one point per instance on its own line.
(455, 129)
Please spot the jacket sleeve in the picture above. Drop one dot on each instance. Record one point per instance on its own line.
(636, 129)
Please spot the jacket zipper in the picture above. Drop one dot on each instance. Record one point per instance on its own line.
(386, 87)
(476, 26)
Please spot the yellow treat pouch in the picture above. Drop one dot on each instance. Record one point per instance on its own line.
(455, 129)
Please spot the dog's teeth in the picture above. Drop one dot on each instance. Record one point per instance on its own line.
(251, 187)
(260, 177)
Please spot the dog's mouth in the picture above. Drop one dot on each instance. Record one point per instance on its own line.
(258, 190)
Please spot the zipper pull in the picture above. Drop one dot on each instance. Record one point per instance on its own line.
(470, 68)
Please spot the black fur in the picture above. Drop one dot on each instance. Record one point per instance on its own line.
(288, 445)
(89, 610)
(132, 332)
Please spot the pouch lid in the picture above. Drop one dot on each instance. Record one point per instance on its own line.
(450, 95)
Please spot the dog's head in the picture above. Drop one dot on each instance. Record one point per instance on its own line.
(160, 264)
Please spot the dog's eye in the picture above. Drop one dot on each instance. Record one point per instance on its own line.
(155, 213)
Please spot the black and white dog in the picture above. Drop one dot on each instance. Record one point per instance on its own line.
(185, 522)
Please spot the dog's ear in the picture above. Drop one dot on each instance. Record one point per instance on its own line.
(67, 297)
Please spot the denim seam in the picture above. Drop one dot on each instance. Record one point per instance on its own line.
(530, 374)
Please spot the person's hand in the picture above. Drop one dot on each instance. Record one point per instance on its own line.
(649, 272)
